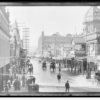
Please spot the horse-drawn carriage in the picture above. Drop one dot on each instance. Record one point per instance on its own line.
(44, 66)
(52, 66)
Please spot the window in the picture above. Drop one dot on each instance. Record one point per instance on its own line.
(83, 47)
(77, 47)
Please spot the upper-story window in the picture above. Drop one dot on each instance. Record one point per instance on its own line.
(77, 47)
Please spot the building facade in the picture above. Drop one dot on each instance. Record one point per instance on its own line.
(15, 43)
(91, 32)
(25, 32)
(78, 58)
(4, 45)
(55, 45)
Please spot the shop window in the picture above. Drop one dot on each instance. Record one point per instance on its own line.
(77, 47)
(83, 47)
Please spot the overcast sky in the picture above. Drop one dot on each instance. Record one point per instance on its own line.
(50, 19)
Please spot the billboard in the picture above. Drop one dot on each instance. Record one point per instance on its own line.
(80, 53)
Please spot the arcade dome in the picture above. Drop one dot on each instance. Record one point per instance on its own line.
(93, 14)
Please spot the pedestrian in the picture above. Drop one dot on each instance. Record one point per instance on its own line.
(11, 79)
(33, 79)
(59, 77)
(31, 68)
(59, 67)
(9, 83)
(19, 84)
(23, 81)
(15, 84)
(67, 86)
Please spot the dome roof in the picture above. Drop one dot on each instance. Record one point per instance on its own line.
(93, 14)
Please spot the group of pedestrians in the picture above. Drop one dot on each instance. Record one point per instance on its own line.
(12, 81)
(29, 67)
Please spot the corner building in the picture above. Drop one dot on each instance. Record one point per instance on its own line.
(91, 32)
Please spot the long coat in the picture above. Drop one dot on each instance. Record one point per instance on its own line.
(67, 85)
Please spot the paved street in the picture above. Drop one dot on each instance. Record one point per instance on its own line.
(48, 80)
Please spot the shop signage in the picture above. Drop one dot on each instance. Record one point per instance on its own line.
(80, 53)
(92, 37)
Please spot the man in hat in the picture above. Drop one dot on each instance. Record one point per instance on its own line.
(67, 86)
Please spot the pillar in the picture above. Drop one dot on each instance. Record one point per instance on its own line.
(82, 68)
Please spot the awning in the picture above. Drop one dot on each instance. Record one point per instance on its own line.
(92, 59)
(81, 58)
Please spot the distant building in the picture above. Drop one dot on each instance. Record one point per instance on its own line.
(25, 32)
(15, 40)
(78, 47)
(55, 44)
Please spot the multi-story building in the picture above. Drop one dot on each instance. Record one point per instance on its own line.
(91, 32)
(55, 44)
(78, 53)
(25, 32)
(15, 43)
(4, 45)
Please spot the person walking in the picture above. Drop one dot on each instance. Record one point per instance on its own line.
(23, 80)
(67, 86)
(59, 67)
(31, 69)
(59, 77)
(11, 79)
(16, 84)
(19, 84)
(9, 83)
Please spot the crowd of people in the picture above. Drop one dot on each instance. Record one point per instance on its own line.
(18, 78)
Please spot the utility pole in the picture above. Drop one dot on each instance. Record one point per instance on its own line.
(75, 31)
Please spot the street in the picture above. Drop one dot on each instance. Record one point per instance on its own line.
(48, 82)
(66, 44)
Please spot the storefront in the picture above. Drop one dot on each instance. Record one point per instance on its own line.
(82, 64)
(98, 62)
(92, 64)
(4, 75)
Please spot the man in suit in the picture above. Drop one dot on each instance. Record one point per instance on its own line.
(67, 86)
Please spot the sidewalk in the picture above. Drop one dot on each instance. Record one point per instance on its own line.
(23, 89)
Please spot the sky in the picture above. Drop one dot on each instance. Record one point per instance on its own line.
(50, 19)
